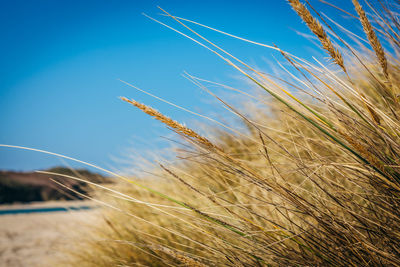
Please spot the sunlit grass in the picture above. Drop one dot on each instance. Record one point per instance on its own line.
(310, 178)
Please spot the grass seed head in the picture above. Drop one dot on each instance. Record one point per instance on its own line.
(314, 25)
(179, 128)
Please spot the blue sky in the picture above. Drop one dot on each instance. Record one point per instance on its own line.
(61, 61)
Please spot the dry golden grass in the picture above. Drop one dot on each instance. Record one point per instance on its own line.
(314, 25)
(373, 39)
(311, 178)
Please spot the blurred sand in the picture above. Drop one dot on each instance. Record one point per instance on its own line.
(37, 238)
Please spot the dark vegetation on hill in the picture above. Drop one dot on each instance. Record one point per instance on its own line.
(31, 186)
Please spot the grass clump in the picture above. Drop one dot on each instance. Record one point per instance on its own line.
(312, 178)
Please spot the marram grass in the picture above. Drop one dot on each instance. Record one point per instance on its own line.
(312, 178)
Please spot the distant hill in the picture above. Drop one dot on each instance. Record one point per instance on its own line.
(31, 186)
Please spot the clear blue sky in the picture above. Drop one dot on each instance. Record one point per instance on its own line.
(60, 61)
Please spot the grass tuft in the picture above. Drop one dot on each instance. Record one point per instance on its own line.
(308, 174)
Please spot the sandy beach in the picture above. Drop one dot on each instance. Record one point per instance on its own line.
(35, 239)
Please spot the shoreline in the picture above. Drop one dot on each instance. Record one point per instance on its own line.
(45, 207)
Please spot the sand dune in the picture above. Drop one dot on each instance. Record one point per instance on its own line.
(36, 239)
